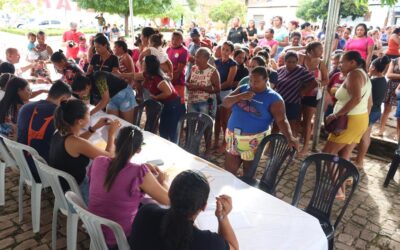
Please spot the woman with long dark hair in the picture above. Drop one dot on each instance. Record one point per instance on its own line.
(17, 93)
(123, 182)
(71, 151)
(173, 228)
(104, 60)
(159, 88)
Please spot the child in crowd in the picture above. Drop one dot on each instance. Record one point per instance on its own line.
(83, 47)
(32, 50)
(155, 49)
(41, 72)
(84, 61)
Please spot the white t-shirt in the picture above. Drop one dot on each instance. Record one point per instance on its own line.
(159, 53)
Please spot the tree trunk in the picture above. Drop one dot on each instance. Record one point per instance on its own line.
(126, 25)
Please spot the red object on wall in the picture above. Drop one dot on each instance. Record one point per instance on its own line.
(165, 21)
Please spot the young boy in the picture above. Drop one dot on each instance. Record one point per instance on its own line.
(32, 51)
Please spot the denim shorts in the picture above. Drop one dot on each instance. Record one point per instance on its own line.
(225, 93)
(123, 100)
(203, 107)
(374, 117)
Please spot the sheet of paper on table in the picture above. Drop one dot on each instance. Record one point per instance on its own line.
(208, 221)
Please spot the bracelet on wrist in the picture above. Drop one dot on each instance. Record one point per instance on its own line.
(92, 130)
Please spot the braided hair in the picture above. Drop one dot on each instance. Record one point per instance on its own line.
(188, 194)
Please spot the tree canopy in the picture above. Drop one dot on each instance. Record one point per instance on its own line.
(312, 10)
(228, 9)
(140, 7)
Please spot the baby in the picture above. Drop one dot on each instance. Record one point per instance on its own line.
(41, 72)
(32, 50)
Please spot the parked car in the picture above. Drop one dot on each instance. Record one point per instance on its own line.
(43, 24)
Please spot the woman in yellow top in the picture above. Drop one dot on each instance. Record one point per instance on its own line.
(354, 100)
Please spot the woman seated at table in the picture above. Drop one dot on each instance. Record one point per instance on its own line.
(160, 89)
(17, 93)
(123, 182)
(254, 107)
(71, 151)
(156, 228)
(106, 90)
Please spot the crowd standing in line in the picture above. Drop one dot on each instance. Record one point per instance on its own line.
(264, 78)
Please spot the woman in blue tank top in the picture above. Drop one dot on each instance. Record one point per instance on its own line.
(254, 108)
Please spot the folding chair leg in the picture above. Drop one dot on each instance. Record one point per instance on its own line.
(35, 205)
(392, 169)
(72, 230)
(2, 184)
(54, 228)
(20, 199)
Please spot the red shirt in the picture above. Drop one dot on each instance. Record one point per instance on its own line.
(74, 36)
(135, 57)
(177, 56)
(151, 84)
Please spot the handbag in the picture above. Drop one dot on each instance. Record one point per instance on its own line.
(337, 126)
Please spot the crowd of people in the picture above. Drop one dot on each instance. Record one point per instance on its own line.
(262, 79)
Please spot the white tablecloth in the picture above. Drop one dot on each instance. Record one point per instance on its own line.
(260, 220)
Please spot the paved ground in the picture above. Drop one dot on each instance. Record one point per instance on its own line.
(372, 220)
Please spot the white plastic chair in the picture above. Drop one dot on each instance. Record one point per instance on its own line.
(6, 161)
(52, 176)
(93, 225)
(17, 151)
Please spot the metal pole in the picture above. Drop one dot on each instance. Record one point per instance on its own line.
(331, 22)
(131, 17)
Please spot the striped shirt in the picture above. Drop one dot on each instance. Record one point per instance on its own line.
(290, 84)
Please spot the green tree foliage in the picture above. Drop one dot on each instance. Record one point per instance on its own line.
(16, 6)
(140, 7)
(312, 10)
(228, 9)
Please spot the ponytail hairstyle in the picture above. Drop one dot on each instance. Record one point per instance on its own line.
(122, 45)
(355, 56)
(102, 40)
(188, 194)
(148, 31)
(138, 41)
(312, 46)
(67, 113)
(58, 57)
(153, 67)
(381, 63)
(128, 142)
(4, 78)
(156, 39)
(11, 99)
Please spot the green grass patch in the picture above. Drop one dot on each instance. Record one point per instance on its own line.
(49, 32)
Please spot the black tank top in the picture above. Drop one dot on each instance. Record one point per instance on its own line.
(60, 159)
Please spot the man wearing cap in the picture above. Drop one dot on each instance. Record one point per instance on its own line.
(237, 34)
(192, 49)
(71, 41)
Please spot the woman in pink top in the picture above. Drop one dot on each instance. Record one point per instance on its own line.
(117, 186)
(269, 41)
(361, 43)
